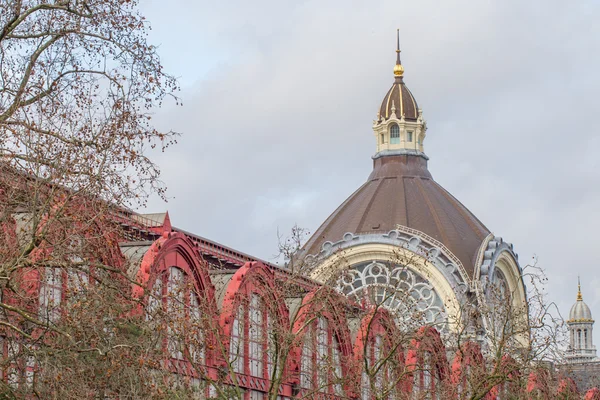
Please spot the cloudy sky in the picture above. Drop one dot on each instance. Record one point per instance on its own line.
(279, 98)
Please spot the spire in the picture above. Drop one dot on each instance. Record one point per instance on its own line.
(579, 296)
(398, 68)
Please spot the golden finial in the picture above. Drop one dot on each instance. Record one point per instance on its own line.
(398, 68)
(579, 296)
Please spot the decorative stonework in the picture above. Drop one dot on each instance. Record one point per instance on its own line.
(410, 239)
(439, 283)
(397, 288)
(411, 133)
(488, 258)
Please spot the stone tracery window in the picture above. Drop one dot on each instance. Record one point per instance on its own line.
(397, 288)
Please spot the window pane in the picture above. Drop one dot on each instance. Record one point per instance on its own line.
(50, 294)
(256, 340)
(176, 311)
(196, 341)
(395, 134)
(306, 373)
(236, 345)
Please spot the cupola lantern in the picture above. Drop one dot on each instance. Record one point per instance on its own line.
(399, 127)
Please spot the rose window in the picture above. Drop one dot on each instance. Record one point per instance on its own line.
(397, 288)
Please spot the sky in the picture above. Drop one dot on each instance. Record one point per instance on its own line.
(279, 98)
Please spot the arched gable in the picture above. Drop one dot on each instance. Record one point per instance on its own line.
(331, 305)
(251, 281)
(325, 303)
(174, 250)
(592, 394)
(567, 389)
(378, 322)
(427, 340)
(510, 373)
(468, 355)
(468, 368)
(538, 384)
(253, 277)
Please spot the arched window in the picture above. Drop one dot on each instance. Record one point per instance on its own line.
(250, 344)
(538, 384)
(321, 364)
(579, 338)
(511, 386)
(394, 134)
(173, 296)
(426, 360)
(567, 389)
(397, 289)
(378, 374)
(51, 292)
(253, 317)
(58, 285)
(379, 354)
(468, 369)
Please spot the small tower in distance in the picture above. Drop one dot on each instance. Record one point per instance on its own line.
(581, 346)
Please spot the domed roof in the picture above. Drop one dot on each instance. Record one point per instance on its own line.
(400, 100)
(400, 190)
(580, 312)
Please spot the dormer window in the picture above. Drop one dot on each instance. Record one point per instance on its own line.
(394, 134)
(409, 136)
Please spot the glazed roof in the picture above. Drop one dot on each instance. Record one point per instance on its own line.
(400, 98)
(400, 190)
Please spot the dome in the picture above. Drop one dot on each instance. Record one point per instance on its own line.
(401, 191)
(580, 312)
(400, 100)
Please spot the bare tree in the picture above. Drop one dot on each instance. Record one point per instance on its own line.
(78, 82)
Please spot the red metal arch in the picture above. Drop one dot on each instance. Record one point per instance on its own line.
(325, 302)
(378, 321)
(592, 394)
(253, 277)
(469, 355)
(174, 250)
(567, 389)
(427, 339)
(178, 250)
(538, 384)
(510, 368)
